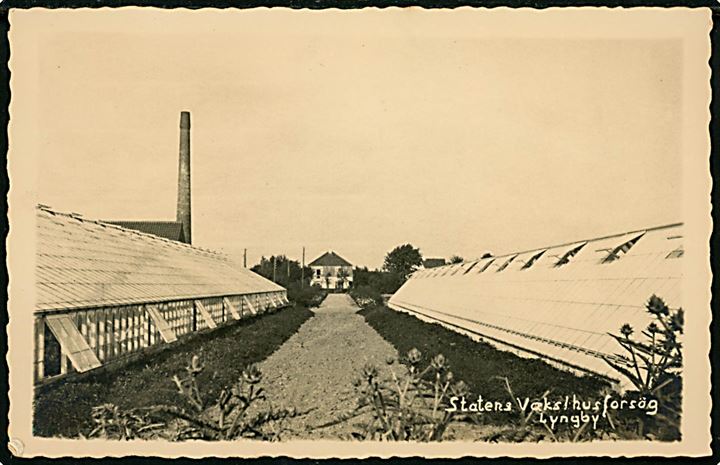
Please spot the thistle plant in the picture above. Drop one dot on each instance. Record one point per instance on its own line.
(653, 364)
(654, 361)
(408, 408)
(188, 386)
(226, 418)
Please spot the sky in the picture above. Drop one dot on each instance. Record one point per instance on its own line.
(358, 132)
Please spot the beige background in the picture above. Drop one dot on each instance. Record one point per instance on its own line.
(624, 156)
(428, 128)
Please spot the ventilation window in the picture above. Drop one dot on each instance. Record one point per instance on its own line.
(621, 250)
(161, 324)
(51, 351)
(206, 315)
(505, 265)
(471, 267)
(677, 253)
(565, 259)
(487, 265)
(73, 343)
(533, 259)
(458, 268)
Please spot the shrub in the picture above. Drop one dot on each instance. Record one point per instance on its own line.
(307, 296)
(366, 296)
(385, 282)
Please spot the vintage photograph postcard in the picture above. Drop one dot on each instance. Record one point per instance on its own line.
(359, 233)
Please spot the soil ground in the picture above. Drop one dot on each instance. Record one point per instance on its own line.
(314, 370)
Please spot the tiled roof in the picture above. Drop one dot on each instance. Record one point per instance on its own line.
(330, 259)
(559, 302)
(172, 230)
(85, 263)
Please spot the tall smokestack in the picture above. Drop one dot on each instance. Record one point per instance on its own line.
(183, 199)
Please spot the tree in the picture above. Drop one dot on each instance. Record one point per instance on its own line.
(286, 271)
(456, 259)
(384, 282)
(403, 260)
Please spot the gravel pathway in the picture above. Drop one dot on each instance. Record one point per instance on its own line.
(316, 367)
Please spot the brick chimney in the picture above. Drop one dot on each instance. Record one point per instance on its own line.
(183, 200)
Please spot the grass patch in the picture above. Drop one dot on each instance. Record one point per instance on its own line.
(477, 363)
(63, 408)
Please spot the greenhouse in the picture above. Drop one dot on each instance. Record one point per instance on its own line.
(557, 302)
(105, 292)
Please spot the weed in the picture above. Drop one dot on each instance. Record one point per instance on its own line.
(655, 361)
(410, 408)
(653, 364)
(227, 418)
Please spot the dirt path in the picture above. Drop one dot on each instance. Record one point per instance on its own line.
(315, 368)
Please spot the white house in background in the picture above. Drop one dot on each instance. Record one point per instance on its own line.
(331, 271)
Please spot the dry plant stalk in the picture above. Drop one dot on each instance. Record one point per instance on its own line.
(231, 407)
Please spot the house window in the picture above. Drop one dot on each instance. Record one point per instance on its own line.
(317, 273)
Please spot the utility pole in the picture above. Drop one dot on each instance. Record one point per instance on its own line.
(274, 269)
(288, 268)
(244, 258)
(302, 271)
